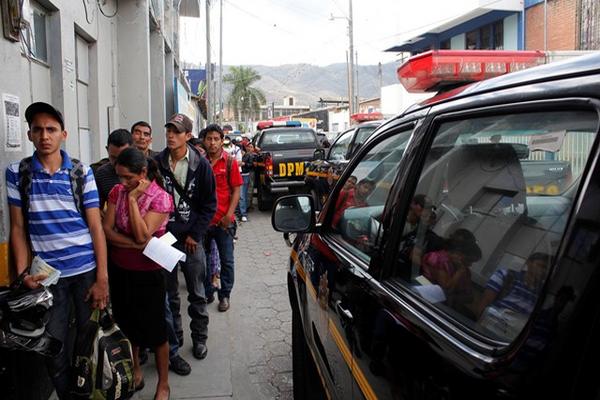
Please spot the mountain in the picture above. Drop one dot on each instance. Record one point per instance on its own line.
(307, 83)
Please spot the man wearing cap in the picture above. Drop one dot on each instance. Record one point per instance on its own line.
(189, 179)
(142, 137)
(70, 239)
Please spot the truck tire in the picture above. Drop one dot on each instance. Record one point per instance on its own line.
(307, 383)
(264, 200)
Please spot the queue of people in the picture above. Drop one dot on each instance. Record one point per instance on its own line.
(94, 232)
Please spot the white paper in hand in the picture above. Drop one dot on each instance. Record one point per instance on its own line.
(163, 254)
(39, 266)
(432, 293)
(168, 238)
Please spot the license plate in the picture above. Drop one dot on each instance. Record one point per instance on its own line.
(291, 168)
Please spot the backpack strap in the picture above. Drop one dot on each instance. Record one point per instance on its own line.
(76, 176)
(25, 179)
(228, 170)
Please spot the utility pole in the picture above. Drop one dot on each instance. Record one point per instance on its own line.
(209, 100)
(349, 89)
(351, 104)
(357, 88)
(380, 76)
(221, 119)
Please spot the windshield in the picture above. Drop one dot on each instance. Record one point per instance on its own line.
(288, 138)
(363, 134)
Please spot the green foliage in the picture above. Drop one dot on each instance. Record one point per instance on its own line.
(244, 100)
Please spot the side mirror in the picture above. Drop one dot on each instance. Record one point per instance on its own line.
(319, 154)
(293, 213)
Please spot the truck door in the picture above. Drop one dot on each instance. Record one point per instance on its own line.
(341, 253)
(470, 251)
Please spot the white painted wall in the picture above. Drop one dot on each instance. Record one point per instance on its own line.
(338, 120)
(458, 42)
(511, 32)
(395, 99)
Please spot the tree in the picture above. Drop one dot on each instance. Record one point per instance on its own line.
(244, 100)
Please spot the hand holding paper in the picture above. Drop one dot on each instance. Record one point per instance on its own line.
(161, 252)
(39, 266)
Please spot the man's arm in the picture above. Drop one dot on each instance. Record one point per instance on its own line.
(20, 248)
(99, 290)
(18, 239)
(233, 202)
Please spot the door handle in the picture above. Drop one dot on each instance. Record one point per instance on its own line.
(343, 312)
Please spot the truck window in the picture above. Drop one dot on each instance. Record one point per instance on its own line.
(489, 212)
(339, 150)
(359, 205)
(363, 134)
(287, 138)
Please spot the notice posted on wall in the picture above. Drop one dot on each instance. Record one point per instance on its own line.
(11, 111)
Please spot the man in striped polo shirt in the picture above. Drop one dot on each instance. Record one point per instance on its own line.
(54, 229)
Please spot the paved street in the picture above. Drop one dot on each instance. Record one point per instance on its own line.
(249, 347)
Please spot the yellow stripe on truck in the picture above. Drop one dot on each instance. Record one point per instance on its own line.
(358, 374)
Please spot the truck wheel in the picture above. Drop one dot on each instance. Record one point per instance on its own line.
(264, 201)
(307, 383)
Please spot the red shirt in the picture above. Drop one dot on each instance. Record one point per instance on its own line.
(223, 187)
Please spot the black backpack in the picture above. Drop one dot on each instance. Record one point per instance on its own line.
(102, 361)
(76, 175)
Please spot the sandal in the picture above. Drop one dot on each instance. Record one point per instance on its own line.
(168, 394)
(140, 385)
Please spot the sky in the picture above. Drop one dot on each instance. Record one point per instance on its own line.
(276, 32)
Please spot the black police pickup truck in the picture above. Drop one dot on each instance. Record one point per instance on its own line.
(321, 175)
(443, 273)
(285, 147)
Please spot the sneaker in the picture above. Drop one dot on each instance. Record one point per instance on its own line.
(178, 365)
(244, 219)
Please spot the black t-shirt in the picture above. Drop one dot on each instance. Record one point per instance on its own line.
(106, 178)
(248, 162)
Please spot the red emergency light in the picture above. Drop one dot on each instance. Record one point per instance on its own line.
(439, 69)
(363, 117)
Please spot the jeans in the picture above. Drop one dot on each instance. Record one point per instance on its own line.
(224, 240)
(67, 291)
(194, 272)
(250, 191)
(244, 196)
(171, 333)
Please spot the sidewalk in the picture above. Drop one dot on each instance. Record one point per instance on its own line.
(249, 346)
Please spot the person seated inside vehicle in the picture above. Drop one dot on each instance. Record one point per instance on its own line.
(449, 267)
(352, 196)
(417, 235)
(510, 296)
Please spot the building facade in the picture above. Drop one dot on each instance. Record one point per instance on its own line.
(104, 64)
(553, 25)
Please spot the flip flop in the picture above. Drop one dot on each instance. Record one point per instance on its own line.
(140, 385)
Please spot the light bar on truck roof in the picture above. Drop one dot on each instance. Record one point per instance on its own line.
(439, 69)
(362, 117)
(277, 124)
